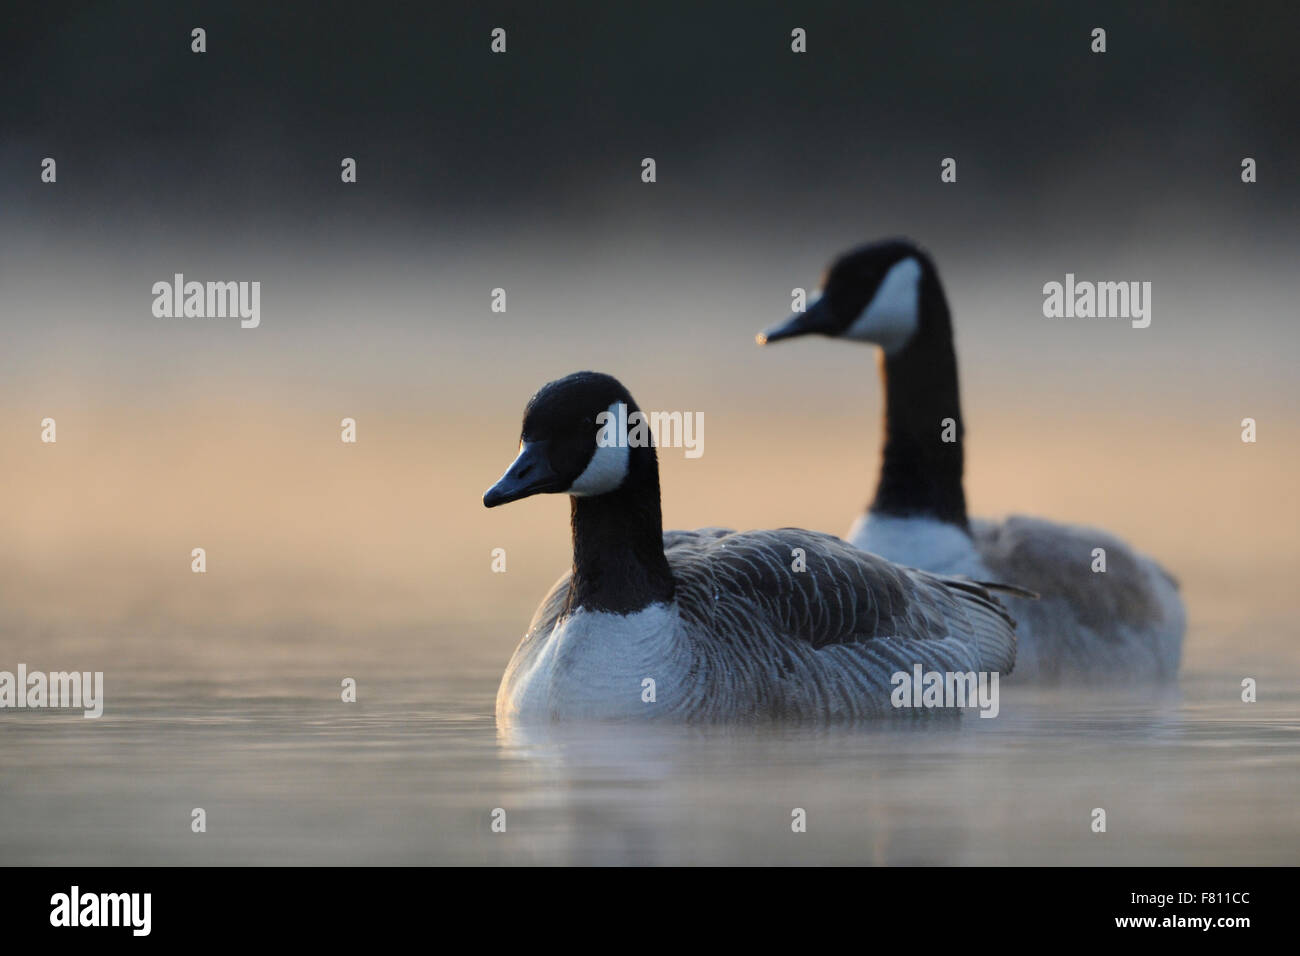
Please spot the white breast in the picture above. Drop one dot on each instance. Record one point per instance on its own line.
(595, 664)
(919, 542)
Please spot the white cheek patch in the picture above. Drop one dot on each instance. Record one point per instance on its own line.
(891, 318)
(604, 473)
(609, 463)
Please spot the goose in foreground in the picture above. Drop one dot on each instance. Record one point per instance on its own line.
(1124, 624)
(720, 621)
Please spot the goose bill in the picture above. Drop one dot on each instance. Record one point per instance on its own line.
(814, 320)
(529, 474)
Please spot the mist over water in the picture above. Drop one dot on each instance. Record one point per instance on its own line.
(412, 773)
(373, 561)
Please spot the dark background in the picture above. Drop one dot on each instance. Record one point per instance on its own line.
(251, 132)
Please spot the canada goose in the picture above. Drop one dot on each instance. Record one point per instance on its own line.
(1124, 624)
(712, 624)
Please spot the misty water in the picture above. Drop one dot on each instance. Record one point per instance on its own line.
(371, 560)
(413, 771)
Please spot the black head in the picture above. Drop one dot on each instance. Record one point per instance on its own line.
(570, 441)
(871, 294)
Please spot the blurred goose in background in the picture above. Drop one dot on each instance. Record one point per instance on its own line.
(720, 621)
(1124, 624)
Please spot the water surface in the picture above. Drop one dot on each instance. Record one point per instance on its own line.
(412, 773)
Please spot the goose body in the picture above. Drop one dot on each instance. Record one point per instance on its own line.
(1125, 623)
(1122, 625)
(745, 636)
(716, 624)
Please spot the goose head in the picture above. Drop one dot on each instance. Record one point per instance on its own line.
(574, 441)
(870, 294)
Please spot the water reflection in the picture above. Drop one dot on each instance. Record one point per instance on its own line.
(1185, 776)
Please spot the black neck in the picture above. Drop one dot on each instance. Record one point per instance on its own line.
(920, 473)
(618, 543)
